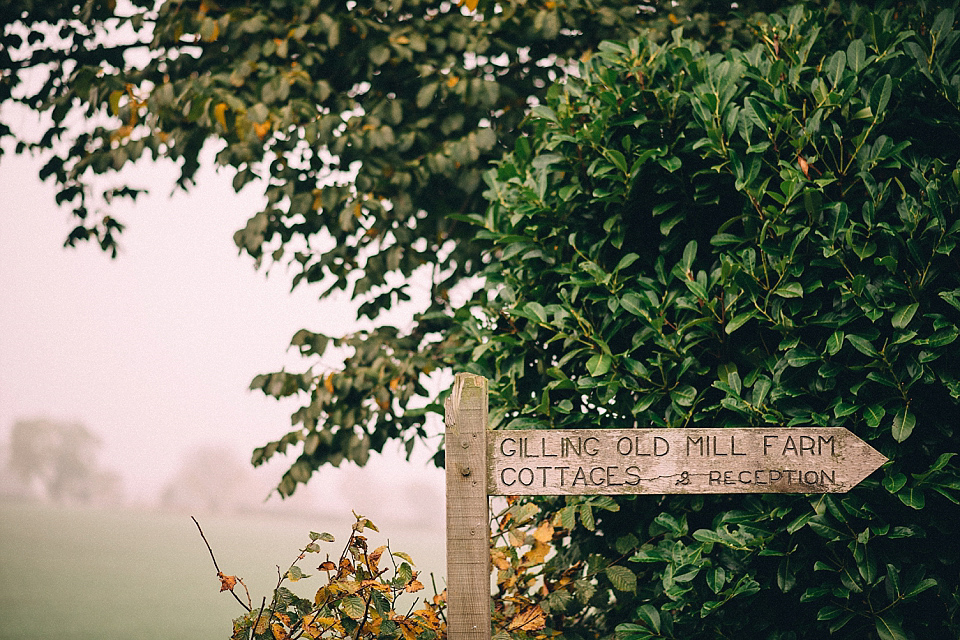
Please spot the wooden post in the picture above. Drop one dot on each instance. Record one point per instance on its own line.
(468, 528)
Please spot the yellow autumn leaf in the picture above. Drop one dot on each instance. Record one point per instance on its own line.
(350, 586)
(220, 113)
(328, 383)
(370, 583)
(499, 559)
(544, 532)
(429, 617)
(408, 628)
(470, 4)
(115, 101)
(315, 625)
(537, 554)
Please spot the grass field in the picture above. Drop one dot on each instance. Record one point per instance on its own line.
(84, 574)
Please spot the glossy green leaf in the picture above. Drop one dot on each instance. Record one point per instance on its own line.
(889, 628)
(599, 364)
(903, 315)
(903, 424)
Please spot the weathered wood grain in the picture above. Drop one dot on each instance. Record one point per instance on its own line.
(657, 461)
(468, 529)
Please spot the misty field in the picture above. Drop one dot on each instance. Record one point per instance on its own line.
(79, 574)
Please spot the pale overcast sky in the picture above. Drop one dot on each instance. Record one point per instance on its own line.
(155, 350)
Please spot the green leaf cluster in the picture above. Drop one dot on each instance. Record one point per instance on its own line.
(366, 127)
(761, 236)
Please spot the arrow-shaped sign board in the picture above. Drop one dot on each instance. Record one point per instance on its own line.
(656, 461)
(613, 461)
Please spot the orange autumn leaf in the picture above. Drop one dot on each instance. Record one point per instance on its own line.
(220, 113)
(470, 4)
(262, 129)
(328, 383)
(227, 583)
(374, 557)
(530, 619)
(327, 565)
(804, 166)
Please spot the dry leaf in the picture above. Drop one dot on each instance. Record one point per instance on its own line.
(227, 583)
(327, 566)
(530, 619)
(374, 557)
(499, 559)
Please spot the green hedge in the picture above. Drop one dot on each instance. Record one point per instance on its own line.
(760, 237)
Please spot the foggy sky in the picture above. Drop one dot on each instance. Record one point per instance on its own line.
(154, 350)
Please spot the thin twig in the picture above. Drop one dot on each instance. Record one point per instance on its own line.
(433, 579)
(253, 629)
(366, 607)
(217, 567)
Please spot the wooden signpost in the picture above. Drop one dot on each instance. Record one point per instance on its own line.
(481, 463)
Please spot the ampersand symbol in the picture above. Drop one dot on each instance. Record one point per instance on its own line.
(684, 478)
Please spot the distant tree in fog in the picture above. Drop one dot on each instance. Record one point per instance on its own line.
(213, 479)
(58, 460)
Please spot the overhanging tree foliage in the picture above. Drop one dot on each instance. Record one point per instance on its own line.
(366, 124)
(765, 236)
